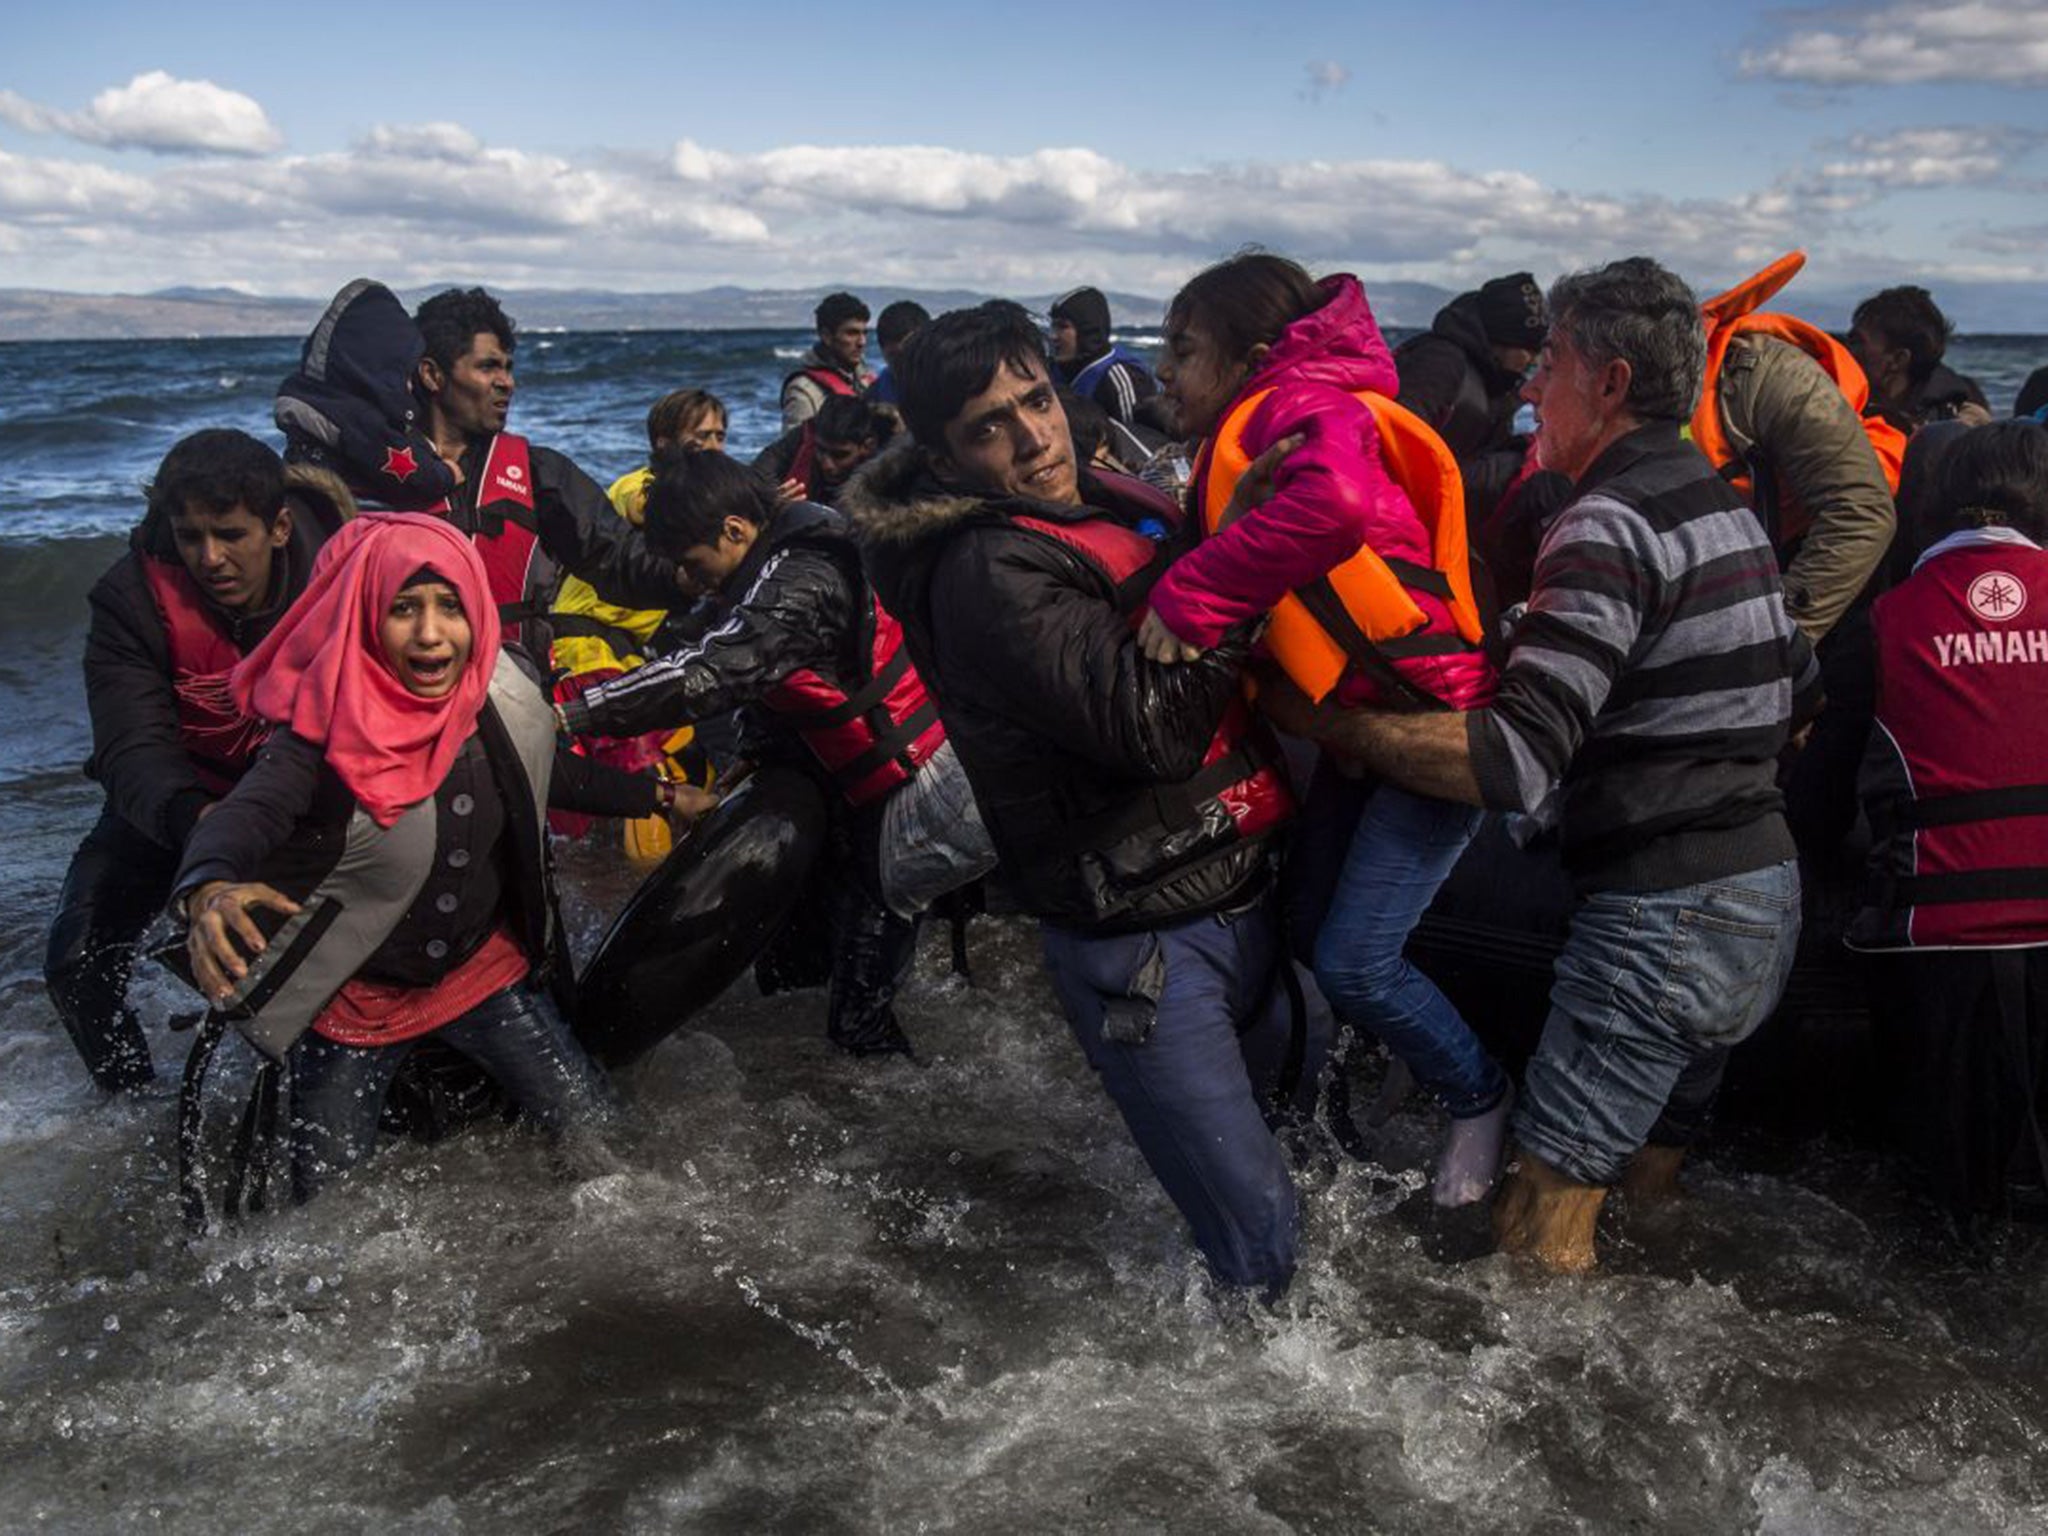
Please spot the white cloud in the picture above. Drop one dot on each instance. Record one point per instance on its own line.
(417, 202)
(1929, 157)
(1999, 43)
(156, 111)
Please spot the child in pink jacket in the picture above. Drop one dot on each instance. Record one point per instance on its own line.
(1258, 323)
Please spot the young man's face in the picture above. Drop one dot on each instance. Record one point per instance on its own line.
(846, 344)
(1883, 364)
(229, 554)
(837, 459)
(1012, 440)
(474, 396)
(709, 565)
(1066, 341)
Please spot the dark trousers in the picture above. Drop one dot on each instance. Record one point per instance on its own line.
(1194, 1041)
(118, 883)
(517, 1035)
(1962, 1053)
(1820, 790)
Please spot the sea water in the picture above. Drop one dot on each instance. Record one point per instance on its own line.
(797, 1292)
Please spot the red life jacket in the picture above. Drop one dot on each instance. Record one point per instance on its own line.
(1957, 778)
(505, 530)
(1239, 770)
(831, 380)
(876, 737)
(220, 740)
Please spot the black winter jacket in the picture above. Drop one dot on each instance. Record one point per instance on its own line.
(138, 755)
(793, 605)
(1450, 380)
(1056, 714)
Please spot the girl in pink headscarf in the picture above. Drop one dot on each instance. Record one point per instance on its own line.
(380, 874)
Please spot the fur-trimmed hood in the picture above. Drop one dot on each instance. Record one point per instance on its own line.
(895, 499)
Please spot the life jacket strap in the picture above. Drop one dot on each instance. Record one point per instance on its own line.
(2019, 884)
(1371, 658)
(856, 704)
(581, 626)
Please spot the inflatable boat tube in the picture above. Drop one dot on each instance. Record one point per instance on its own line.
(702, 917)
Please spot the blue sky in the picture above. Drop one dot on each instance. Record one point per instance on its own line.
(641, 146)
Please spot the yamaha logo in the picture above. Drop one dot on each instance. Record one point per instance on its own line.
(514, 472)
(1997, 595)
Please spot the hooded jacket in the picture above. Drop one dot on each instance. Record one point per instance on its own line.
(1449, 378)
(1332, 495)
(1055, 713)
(138, 751)
(350, 410)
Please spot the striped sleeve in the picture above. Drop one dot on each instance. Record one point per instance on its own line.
(1595, 579)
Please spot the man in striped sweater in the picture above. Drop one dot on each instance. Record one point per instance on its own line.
(1646, 696)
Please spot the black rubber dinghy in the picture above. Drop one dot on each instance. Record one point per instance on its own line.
(703, 916)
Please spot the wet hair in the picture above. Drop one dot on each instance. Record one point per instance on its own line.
(450, 321)
(835, 309)
(1087, 424)
(852, 419)
(694, 491)
(1996, 475)
(1246, 300)
(677, 411)
(898, 321)
(1642, 314)
(956, 357)
(218, 470)
(1908, 317)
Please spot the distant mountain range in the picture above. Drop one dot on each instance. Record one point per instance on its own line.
(39, 314)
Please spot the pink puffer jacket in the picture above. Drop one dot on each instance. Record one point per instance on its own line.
(1331, 497)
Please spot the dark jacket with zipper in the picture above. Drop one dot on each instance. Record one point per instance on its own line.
(1058, 718)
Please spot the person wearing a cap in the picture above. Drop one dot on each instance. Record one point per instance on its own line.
(1087, 362)
(1464, 374)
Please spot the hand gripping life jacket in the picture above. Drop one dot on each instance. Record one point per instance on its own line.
(505, 529)
(1362, 616)
(1735, 313)
(880, 734)
(1241, 772)
(1957, 780)
(220, 740)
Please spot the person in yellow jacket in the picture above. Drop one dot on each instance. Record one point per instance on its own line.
(595, 641)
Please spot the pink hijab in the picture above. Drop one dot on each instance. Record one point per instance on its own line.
(321, 672)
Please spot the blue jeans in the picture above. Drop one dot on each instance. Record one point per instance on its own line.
(517, 1035)
(1194, 1041)
(1650, 988)
(1404, 849)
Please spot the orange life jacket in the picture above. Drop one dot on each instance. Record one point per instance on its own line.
(1363, 614)
(1735, 313)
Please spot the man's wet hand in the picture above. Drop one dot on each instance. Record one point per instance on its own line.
(222, 931)
(1255, 486)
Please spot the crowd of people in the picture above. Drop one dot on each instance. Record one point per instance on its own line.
(1214, 668)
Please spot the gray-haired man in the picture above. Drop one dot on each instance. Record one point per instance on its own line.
(1646, 696)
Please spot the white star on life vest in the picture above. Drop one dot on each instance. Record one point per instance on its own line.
(1998, 596)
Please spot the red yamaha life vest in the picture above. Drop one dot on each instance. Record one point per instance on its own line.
(876, 737)
(505, 529)
(1957, 778)
(1238, 770)
(220, 740)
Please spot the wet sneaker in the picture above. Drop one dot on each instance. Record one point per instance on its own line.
(1470, 1160)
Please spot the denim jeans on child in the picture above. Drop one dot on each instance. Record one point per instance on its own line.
(1402, 852)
